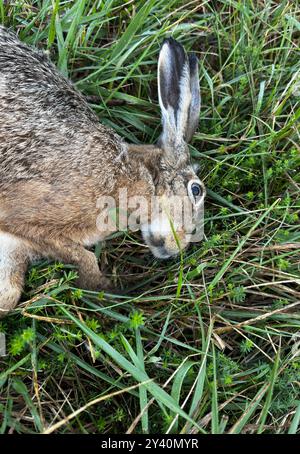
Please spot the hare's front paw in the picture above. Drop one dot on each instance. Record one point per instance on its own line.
(9, 297)
(104, 284)
(96, 282)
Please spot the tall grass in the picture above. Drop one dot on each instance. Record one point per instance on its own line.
(205, 343)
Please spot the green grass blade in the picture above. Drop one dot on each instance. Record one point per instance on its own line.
(142, 389)
(214, 401)
(250, 409)
(21, 389)
(180, 376)
(139, 375)
(295, 421)
(136, 23)
(264, 413)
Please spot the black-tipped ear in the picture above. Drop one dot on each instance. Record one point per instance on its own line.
(172, 60)
(177, 84)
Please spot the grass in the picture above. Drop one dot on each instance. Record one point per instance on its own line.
(208, 342)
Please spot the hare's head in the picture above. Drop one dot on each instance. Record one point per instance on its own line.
(178, 189)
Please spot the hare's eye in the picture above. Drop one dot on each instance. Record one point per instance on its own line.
(196, 190)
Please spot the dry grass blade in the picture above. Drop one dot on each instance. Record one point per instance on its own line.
(64, 421)
(252, 321)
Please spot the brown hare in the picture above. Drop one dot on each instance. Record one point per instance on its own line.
(57, 160)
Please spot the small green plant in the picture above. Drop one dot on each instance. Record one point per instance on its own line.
(246, 346)
(136, 320)
(21, 341)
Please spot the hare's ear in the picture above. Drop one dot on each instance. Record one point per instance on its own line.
(194, 109)
(178, 92)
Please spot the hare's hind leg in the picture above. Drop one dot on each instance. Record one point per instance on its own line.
(14, 257)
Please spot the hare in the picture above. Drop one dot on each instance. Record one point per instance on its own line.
(56, 160)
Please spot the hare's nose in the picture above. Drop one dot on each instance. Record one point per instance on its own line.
(156, 241)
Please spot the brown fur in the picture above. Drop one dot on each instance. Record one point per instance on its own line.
(56, 161)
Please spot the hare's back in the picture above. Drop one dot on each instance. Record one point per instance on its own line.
(32, 88)
(46, 126)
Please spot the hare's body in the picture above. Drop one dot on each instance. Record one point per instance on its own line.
(56, 160)
(54, 152)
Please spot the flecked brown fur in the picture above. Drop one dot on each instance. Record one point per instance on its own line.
(56, 160)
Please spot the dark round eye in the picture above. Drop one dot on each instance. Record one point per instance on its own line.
(196, 190)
